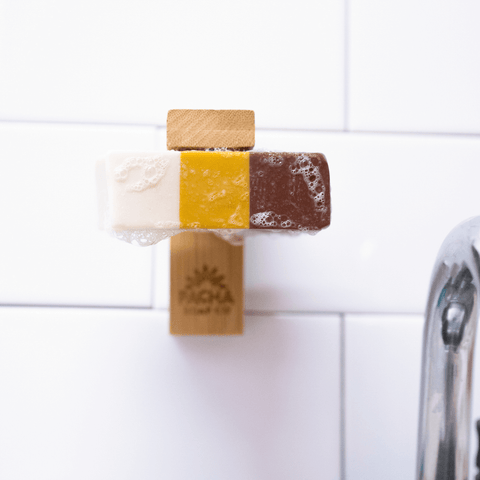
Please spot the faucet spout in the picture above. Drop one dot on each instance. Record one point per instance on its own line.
(448, 348)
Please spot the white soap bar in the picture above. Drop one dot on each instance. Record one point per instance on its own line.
(143, 190)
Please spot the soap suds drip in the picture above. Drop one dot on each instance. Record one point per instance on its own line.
(146, 238)
(271, 220)
(233, 236)
(153, 170)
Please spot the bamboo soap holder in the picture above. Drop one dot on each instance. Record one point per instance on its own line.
(206, 192)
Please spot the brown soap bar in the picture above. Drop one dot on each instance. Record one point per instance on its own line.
(289, 191)
(204, 129)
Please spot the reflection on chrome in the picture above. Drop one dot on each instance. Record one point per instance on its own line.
(448, 347)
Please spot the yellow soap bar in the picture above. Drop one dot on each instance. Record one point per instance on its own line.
(214, 189)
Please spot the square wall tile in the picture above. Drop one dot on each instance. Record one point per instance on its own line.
(382, 394)
(383, 369)
(52, 250)
(111, 394)
(96, 62)
(414, 66)
(394, 199)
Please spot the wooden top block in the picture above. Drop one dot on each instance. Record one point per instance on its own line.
(203, 129)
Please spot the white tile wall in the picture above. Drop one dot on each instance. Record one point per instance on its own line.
(107, 392)
(52, 252)
(413, 66)
(130, 63)
(382, 391)
(382, 394)
(161, 269)
(111, 394)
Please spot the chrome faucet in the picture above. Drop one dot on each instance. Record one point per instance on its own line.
(447, 361)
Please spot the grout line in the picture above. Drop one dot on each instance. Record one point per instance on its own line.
(153, 274)
(293, 130)
(266, 313)
(269, 313)
(249, 313)
(372, 132)
(158, 128)
(419, 133)
(153, 277)
(346, 70)
(258, 129)
(92, 307)
(82, 123)
(343, 465)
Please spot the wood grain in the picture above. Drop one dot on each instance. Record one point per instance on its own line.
(206, 295)
(204, 129)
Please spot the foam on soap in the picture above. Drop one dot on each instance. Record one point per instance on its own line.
(152, 170)
(272, 220)
(304, 166)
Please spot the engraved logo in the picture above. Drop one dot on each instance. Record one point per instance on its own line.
(205, 293)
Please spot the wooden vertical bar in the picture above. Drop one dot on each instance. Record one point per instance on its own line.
(206, 296)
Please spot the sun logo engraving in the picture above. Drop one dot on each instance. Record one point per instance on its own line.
(206, 292)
